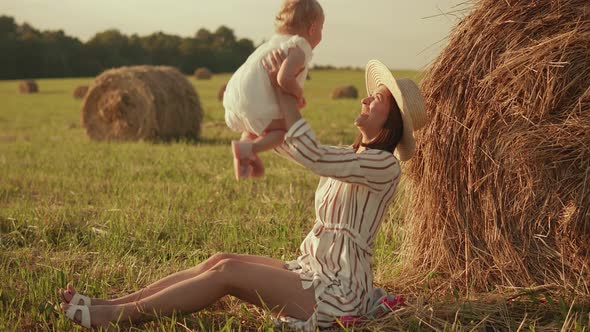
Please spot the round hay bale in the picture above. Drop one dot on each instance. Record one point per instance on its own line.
(203, 74)
(28, 86)
(80, 91)
(142, 102)
(348, 91)
(499, 190)
(221, 92)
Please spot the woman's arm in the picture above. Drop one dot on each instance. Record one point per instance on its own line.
(375, 169)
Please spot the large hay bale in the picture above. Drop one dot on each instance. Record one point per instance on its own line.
(221, 92)
(28, 86)
(80, 91)
(500, 185)
(142, 102)
(203, 74)
(348, 91)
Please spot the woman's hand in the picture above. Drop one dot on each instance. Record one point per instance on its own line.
(272, 63)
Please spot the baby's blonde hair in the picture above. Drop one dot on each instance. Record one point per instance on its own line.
(297, 15)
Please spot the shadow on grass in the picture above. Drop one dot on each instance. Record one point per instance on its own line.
(193, 141)
(51, 92)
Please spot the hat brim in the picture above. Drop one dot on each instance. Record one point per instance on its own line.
(376, 74)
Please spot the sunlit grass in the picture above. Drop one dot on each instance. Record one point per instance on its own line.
(113, 217)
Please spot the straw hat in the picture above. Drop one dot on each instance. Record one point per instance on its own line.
(411, 104)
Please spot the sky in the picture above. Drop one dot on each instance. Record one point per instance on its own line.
(403, 34)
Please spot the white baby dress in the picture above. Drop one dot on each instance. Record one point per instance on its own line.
(249, 100)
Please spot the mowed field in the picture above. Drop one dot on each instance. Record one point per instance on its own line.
(114, 217)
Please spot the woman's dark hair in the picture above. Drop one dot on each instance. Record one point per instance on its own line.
(390, 135)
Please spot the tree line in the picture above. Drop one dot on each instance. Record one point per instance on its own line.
(26, 52)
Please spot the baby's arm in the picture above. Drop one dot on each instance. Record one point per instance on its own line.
(290, 68)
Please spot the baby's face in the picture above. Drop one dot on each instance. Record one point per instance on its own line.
(315, 32)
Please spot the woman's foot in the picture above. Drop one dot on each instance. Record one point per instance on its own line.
(69, 292)
(98, 316)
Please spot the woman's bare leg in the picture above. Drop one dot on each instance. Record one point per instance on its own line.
(172, 279)
(275, 288)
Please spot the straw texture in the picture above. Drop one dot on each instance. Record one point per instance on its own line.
(499, 190)
(142, 102)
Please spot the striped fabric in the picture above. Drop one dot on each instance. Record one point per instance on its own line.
(350, 202)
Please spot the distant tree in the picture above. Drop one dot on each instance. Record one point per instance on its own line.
(29, 44)
(109, 48)
(26, 52)
(8, 47)
(204, 36)
(162, 49)
(244, 47)
(26, 31)
(7, 27)
(194, 53)
(224, 37)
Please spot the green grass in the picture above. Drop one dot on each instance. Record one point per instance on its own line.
(114, 217)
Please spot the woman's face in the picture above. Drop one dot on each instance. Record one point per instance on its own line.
(374, 111)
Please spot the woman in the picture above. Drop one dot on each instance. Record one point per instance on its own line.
(332, 277)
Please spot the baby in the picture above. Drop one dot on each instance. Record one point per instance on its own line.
(250, 103)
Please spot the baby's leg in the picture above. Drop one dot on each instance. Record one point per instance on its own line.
(272, 137)
(246, 136)
(246, 160)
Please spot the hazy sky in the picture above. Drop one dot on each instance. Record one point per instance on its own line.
(401, 33)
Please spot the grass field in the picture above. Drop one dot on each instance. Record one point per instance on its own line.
(114, 217)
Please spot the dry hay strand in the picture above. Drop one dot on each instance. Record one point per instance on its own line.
(499, 190)
(203, 74)
(538, 311)
(221, 92)
(80, 91)
(347, 91)
(142, 102)
(28, 86)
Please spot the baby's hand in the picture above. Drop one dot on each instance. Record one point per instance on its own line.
(301, 102)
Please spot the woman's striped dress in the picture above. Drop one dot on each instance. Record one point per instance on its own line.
(350, 202)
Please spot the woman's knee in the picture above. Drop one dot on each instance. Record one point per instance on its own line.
(229, 273)
(219, 256)
(227, 264)
(227, 270)
(216, 258)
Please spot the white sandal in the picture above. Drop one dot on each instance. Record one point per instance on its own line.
(76, 300)
(85, 319)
